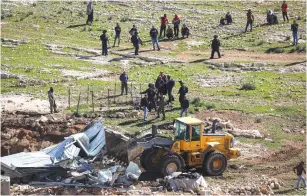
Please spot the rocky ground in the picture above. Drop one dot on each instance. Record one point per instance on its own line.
(55, 48)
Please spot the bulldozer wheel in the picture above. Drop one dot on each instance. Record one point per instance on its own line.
(215, 164)
(150, 161)
(170, 164)
(143, 158)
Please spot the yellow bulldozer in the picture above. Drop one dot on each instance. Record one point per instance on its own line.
(193, 146)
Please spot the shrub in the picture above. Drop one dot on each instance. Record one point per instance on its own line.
(124, 19)
(196, 102)
(210, 106)
(248, 86)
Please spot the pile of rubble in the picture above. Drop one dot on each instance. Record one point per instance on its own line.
(225, 125)
(32, 133)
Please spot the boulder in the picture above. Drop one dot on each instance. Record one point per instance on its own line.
(254, 134)
(120, 115)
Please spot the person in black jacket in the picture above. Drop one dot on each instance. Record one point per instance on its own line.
(133, 30)
(117, 34)
(228, 18)
(294, 29)
(104, 39)
(183, 90)
(151, 94)
(136, 41)
(144, 105)
(154, 37)
(215, 46)
(184, 106)
(169, 87)
(161, 105)
(185, 31)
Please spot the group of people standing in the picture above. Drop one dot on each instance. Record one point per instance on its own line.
(155, 96)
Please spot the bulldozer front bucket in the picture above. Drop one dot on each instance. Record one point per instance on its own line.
(127, 149)
(122, 147)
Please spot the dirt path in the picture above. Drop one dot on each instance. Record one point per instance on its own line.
(235, 55)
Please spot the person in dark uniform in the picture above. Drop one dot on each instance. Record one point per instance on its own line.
(228, 18)
(151, 94)
(183, 90)
(105, 41)
(215, 46)
(124, 82)
(90, 13)
(136, 41)
(117, 34)
(169, 87)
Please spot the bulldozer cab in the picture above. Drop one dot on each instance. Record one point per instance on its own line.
(188, 132)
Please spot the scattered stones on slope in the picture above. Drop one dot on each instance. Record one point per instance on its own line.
(11, 43)
(212, 81)
(234, 67)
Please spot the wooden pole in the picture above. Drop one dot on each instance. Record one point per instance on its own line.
(131, 93)
(69, 97)
(88, 91)
(114, 92)
(108, 99)
(93, 101)
(78, 103)
(141, 89)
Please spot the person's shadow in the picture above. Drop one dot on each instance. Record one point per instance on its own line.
(74, 26)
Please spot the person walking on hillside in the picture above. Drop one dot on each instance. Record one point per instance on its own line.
(169, 87)
(284, 9)
(294, 29)
(117, 34)
(299, 169)
(136, 41)
(144, 105)
(133, 30)
(124, 82)
(161, 105)
(250, 20)
(90, 13)
(51, 98)
(164, 22)
(176, 22)
(151, 94)
(154, 37)
(184, 106)
(183, 90)
(215, 46)
(105, 41)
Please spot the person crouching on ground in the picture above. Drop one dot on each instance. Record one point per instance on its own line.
(185, 31)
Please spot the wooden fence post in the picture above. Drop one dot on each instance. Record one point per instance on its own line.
(131, 92)
(93, 101)
(88, 91)
(108, 99)
(141, 89)
(78, 103)
(114, 92)
(69, 97)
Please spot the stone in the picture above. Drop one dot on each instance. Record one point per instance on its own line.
(268, 140)
(5, 185)
(272, 185)
(43, 119)
(120, 115)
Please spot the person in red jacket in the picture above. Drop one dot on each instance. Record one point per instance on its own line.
(164, 22)
(284, 8)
